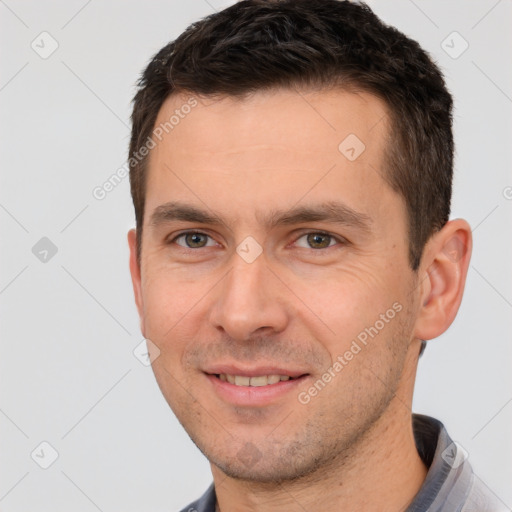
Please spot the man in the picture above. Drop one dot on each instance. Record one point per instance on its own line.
(291, 168)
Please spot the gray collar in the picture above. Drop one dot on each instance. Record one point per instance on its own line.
(449, 476)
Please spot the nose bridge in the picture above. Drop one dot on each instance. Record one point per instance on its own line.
(246, 300)
(244, 278)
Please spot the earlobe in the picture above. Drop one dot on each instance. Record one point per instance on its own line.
(135, 272)
(443, 274)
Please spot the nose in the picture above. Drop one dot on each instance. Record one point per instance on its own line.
(249, 300)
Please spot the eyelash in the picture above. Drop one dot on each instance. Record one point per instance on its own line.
(339, 240)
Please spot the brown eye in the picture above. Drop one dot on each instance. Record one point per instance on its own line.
(192, 240)
(319, 240)
(195, 240)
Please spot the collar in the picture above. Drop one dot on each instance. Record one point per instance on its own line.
(449, 478)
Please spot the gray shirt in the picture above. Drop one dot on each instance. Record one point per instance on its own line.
(450, 485)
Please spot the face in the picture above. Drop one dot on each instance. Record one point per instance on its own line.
(274, 276)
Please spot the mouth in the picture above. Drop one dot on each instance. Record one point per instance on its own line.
(256, 387)
(255, 381)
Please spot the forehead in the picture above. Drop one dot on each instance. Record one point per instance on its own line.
(279, 119)
(269, 148)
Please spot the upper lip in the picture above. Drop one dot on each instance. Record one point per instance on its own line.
(252, 371)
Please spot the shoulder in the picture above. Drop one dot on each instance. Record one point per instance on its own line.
(481, 499)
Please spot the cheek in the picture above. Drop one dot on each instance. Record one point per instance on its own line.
(347, 301)
(167, 303)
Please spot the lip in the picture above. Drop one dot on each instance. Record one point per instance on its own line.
(247, 371)
(254, 396)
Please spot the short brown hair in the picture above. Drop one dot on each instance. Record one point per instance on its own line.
(261, 44)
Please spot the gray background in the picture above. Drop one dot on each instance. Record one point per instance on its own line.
(69, 326)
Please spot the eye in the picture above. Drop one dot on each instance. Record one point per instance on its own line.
(317, 240)
(193, 240)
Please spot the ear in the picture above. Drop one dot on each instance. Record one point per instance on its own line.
(136, 277)
(443, 272)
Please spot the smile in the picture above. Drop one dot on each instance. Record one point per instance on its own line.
(257, 387)
(256, 381)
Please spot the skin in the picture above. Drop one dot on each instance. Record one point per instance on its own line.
(296, 305)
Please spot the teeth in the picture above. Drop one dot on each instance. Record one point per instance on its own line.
(242, 381)
(260, 380)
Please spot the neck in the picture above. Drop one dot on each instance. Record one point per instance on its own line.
(382, 472)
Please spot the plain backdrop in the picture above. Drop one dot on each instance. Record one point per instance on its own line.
(69, 327)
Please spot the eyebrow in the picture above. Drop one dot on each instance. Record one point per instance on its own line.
(331, 212)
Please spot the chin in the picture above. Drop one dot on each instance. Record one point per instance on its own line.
(266, 474)
(267, 466)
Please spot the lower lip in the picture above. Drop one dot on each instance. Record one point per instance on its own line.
(254, 395)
